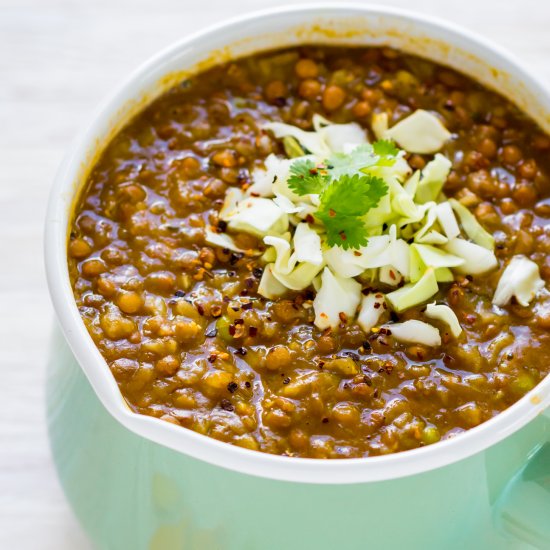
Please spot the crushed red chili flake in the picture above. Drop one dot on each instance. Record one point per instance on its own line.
(240, 351)
(252, 331)
(247, 384)
(232, 387)
(258, 272)
(226, 405)
(247, 306)
(212, 358)
(231, 330)
(343, 317)
(215, 311)
(200, 309)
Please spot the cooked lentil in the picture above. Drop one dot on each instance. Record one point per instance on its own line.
(181, 325)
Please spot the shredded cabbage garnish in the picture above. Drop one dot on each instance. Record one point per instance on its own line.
(342, 214)
(521, 279)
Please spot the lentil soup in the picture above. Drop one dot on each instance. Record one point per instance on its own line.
(188, 332)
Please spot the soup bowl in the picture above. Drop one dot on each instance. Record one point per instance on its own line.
(137, 482)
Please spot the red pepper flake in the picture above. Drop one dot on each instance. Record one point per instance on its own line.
(343, 235)
(231, 330)
(221, 226)
(215, 311)
(200, 309)
(257, 272)
(247, 306)
(357, 253)
(321, 364)
(226, 299)
(238, 322)
(376, 305)
(324, 420)
(343, 317)
(240, 351)
(392, 275)
(247, 384)
(232, 387)
(212, 358)
(331, 213)
(252, 331)
(226, 405)
(310, 218)
(249, 282)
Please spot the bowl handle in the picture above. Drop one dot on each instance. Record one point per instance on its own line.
(523, 508)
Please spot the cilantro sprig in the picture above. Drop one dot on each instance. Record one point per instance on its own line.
(343, 204)
(346, 192)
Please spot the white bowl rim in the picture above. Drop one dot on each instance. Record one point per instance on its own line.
(204, 448)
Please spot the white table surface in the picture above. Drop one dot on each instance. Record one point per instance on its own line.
(58, 58)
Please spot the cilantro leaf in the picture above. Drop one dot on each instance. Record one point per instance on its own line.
(343, 203)
(306, 177)
(361, 157)
(385, 148)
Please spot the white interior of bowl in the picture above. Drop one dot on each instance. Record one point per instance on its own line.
(342, 24)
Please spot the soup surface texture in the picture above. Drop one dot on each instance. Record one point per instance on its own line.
(181, 324)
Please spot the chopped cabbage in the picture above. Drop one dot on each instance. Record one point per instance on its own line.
(472, 227)
(300, 277)
(222, 240)
(434, 257)
(370, 311)
(447, 220)
(269, 286)
(258, 216)
(415, 332)
(413, 294)
(477, 259)
(307, 245)
(336, 295)
(520, 278)
(312, 141)
(432, 179)
(421, 132)
(446, 315)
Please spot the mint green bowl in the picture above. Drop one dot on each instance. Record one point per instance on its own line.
(136, 482)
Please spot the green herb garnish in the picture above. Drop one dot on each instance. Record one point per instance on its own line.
(343, 203)
(346, 193)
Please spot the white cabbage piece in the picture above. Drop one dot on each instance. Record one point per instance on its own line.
(389, 275)
(432, 179)
(340, 138)
(258, 216)
(312, 141)
(222, 240)
(521, 278)
(232, 198)
(447, 220)
(415, 332)
(269, 286)
(342, 262)
(287, 206)
(285, 261)
(472, 227)
(336, 295)
(446, 315)
(477, 259)
(413, 294)
(300, 277)
(434, 257)
(421, 132)
(307, 245)
(372, 307)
